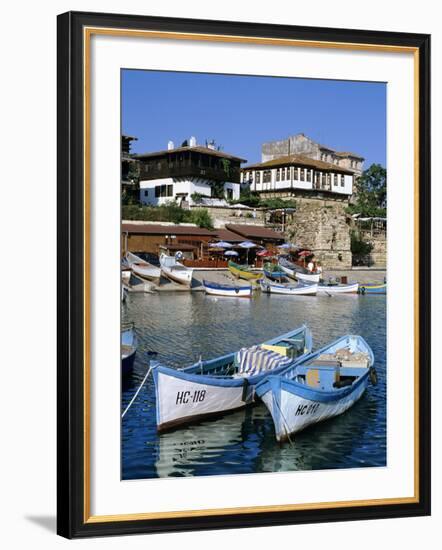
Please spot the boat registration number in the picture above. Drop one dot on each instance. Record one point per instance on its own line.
(307, 409)
(184, 397)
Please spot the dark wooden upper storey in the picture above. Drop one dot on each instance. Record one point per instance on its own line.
(202, 162)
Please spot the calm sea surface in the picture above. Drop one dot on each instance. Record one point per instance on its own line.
(182, 326)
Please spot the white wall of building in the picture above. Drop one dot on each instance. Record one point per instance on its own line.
(181, 187)
(295, 182)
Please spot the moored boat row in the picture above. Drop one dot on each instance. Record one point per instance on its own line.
(299, 387)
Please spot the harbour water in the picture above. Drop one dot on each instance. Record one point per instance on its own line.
(182, 327)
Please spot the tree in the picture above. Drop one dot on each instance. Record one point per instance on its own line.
(371, 192)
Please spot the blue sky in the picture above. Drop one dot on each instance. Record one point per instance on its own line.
(241, 112)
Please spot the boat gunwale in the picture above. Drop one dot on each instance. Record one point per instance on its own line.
(189, 373)
(260, 387)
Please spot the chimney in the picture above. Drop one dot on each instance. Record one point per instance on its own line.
(192, 141)
(170, 145)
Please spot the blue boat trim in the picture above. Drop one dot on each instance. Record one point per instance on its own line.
(193, 372)
(302, 390)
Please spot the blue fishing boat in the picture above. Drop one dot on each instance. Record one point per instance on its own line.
(129, 344)
(233, 291)
(226, 383)
(273, 272)
(321, 386)
(373, 288)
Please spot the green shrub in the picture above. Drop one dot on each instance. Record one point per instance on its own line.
(202, 218)
(169, 212)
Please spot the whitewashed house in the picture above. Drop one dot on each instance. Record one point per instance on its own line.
(177, 173)
(293, 175)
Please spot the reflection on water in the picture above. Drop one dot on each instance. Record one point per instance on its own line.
(181, 327)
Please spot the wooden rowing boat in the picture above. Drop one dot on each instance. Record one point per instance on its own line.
(223, 384)
(332, 289)
(372, 288)
(322, 386)
(242, 272)
(174, 270)
(235, 291)
(274, 272)
(298, 272)
(142, 268)
(299, 289)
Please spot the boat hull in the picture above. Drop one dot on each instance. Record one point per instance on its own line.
(234, 292)
(206, 389)
(175, 271)
(301, 290)
(182, 399)
(274, 275)
(127, 364)
(338, 289)
(183, 278)
(373, 289)
(146, 272)
(293, 412)
(295, 273)
(242, 274)
(143, 269)
(310, 278)
(129, 344)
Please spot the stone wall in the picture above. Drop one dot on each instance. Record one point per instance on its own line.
(221, 216)
(322, 227)
(378, 254)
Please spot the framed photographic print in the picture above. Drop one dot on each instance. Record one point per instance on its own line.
(243, 300)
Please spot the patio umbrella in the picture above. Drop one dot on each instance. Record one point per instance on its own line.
(248, 245)
(305, 253)
(265, 253)
(285, 245)
(221, 244)
(230, 253)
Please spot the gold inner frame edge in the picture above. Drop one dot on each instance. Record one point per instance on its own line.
(87, 34)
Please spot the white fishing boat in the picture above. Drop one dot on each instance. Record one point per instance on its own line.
(324, 385)
(142, 268)
(298, 272)
(172, 269)
(330, 289)
(233, 291)
(223, 384)
(299, 289)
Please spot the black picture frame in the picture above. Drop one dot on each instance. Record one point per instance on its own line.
(72, 393)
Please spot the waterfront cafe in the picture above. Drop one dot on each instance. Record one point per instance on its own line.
(198, 245)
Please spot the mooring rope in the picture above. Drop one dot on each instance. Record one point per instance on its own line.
(136, 393)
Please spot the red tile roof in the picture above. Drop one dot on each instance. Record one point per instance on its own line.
(158, 229)
(196, 149)
(228, 236)
(298, 160)
(255, 232)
